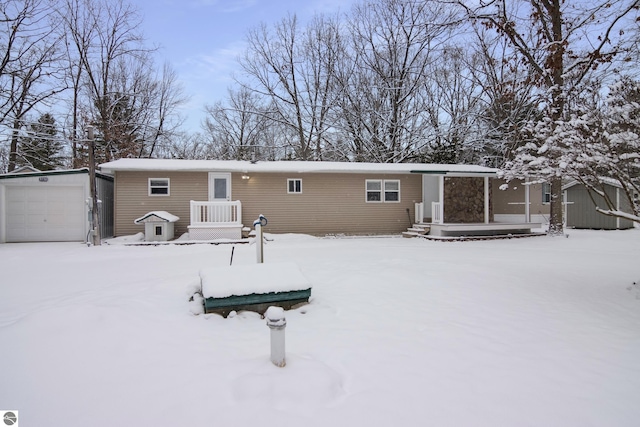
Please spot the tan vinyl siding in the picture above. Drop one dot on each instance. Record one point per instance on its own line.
(511, 200)
(133, 200)
(328, 204)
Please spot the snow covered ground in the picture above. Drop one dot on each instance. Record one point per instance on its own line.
(525, 332)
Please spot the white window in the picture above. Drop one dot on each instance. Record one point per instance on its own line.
(391, 190)
(294, 186)
(546, 192)
(379, 191)
(158, 186)
(374, 190)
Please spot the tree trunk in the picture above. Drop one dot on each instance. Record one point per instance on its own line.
(556, 224)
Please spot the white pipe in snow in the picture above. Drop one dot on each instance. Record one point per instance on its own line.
(277, 323)
(258, 224)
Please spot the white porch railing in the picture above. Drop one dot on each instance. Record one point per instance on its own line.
(216, 213)
(436, 212)
(419, 212)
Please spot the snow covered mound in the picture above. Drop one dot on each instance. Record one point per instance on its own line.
(261, 278)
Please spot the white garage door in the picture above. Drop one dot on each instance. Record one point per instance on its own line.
(45, 214)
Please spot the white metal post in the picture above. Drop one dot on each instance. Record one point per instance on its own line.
(486, 200)
(277, 323)
(258, 224)
(441, 199)
(259, 243)
(527, 203)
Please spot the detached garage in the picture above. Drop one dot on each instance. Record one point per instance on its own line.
(52, 206)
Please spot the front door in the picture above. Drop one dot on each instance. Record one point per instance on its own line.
(219, 187)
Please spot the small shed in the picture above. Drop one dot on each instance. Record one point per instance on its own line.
(158, 226)
(581, 211)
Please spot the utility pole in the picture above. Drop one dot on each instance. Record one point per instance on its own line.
(95, 224)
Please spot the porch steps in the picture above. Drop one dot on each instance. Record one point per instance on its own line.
(418, 230)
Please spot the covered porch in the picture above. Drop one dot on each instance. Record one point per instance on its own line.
(213, 220)
(457, 205)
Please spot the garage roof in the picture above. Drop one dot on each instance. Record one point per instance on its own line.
(54, 172)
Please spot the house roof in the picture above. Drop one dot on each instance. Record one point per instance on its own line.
(292, 167)
(162, 215)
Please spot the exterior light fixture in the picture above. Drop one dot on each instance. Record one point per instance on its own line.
(245, 177)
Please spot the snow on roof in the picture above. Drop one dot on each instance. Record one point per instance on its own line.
(27, 174)
(288, 166)
(250, 279)
(164, 215)
(24, 169)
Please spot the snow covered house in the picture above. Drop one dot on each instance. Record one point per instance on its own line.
(580, 210)
(52, 206)
(216, 199)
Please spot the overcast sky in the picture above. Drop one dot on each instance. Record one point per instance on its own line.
(202, 38)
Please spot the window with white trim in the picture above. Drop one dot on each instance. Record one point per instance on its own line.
(382, 190)
(294, 186)
(546, 192)
(391, 190)
(158, 186)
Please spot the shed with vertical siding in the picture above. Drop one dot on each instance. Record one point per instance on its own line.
(581, 210)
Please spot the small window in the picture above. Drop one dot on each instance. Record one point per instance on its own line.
(158, 186)
(392, 191)
(374, 190)
(546, 192)
(159, 230)
(387, 191)
(294, 186)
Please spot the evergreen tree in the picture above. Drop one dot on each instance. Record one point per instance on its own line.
(40, 147)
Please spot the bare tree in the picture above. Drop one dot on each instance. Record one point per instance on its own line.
(293, 69)
(30, 68)
(165, 121)
(237, 131)
(508, 101)
(110, 49)
(452, 103)
(392, 43)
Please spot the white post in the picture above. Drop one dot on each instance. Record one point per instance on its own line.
(617, 208)
(258, 224)
(419, 212)
(441, 190)
(527, 202)
(277, 323)
(486, 200)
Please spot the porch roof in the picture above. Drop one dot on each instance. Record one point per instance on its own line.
(293, 167)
